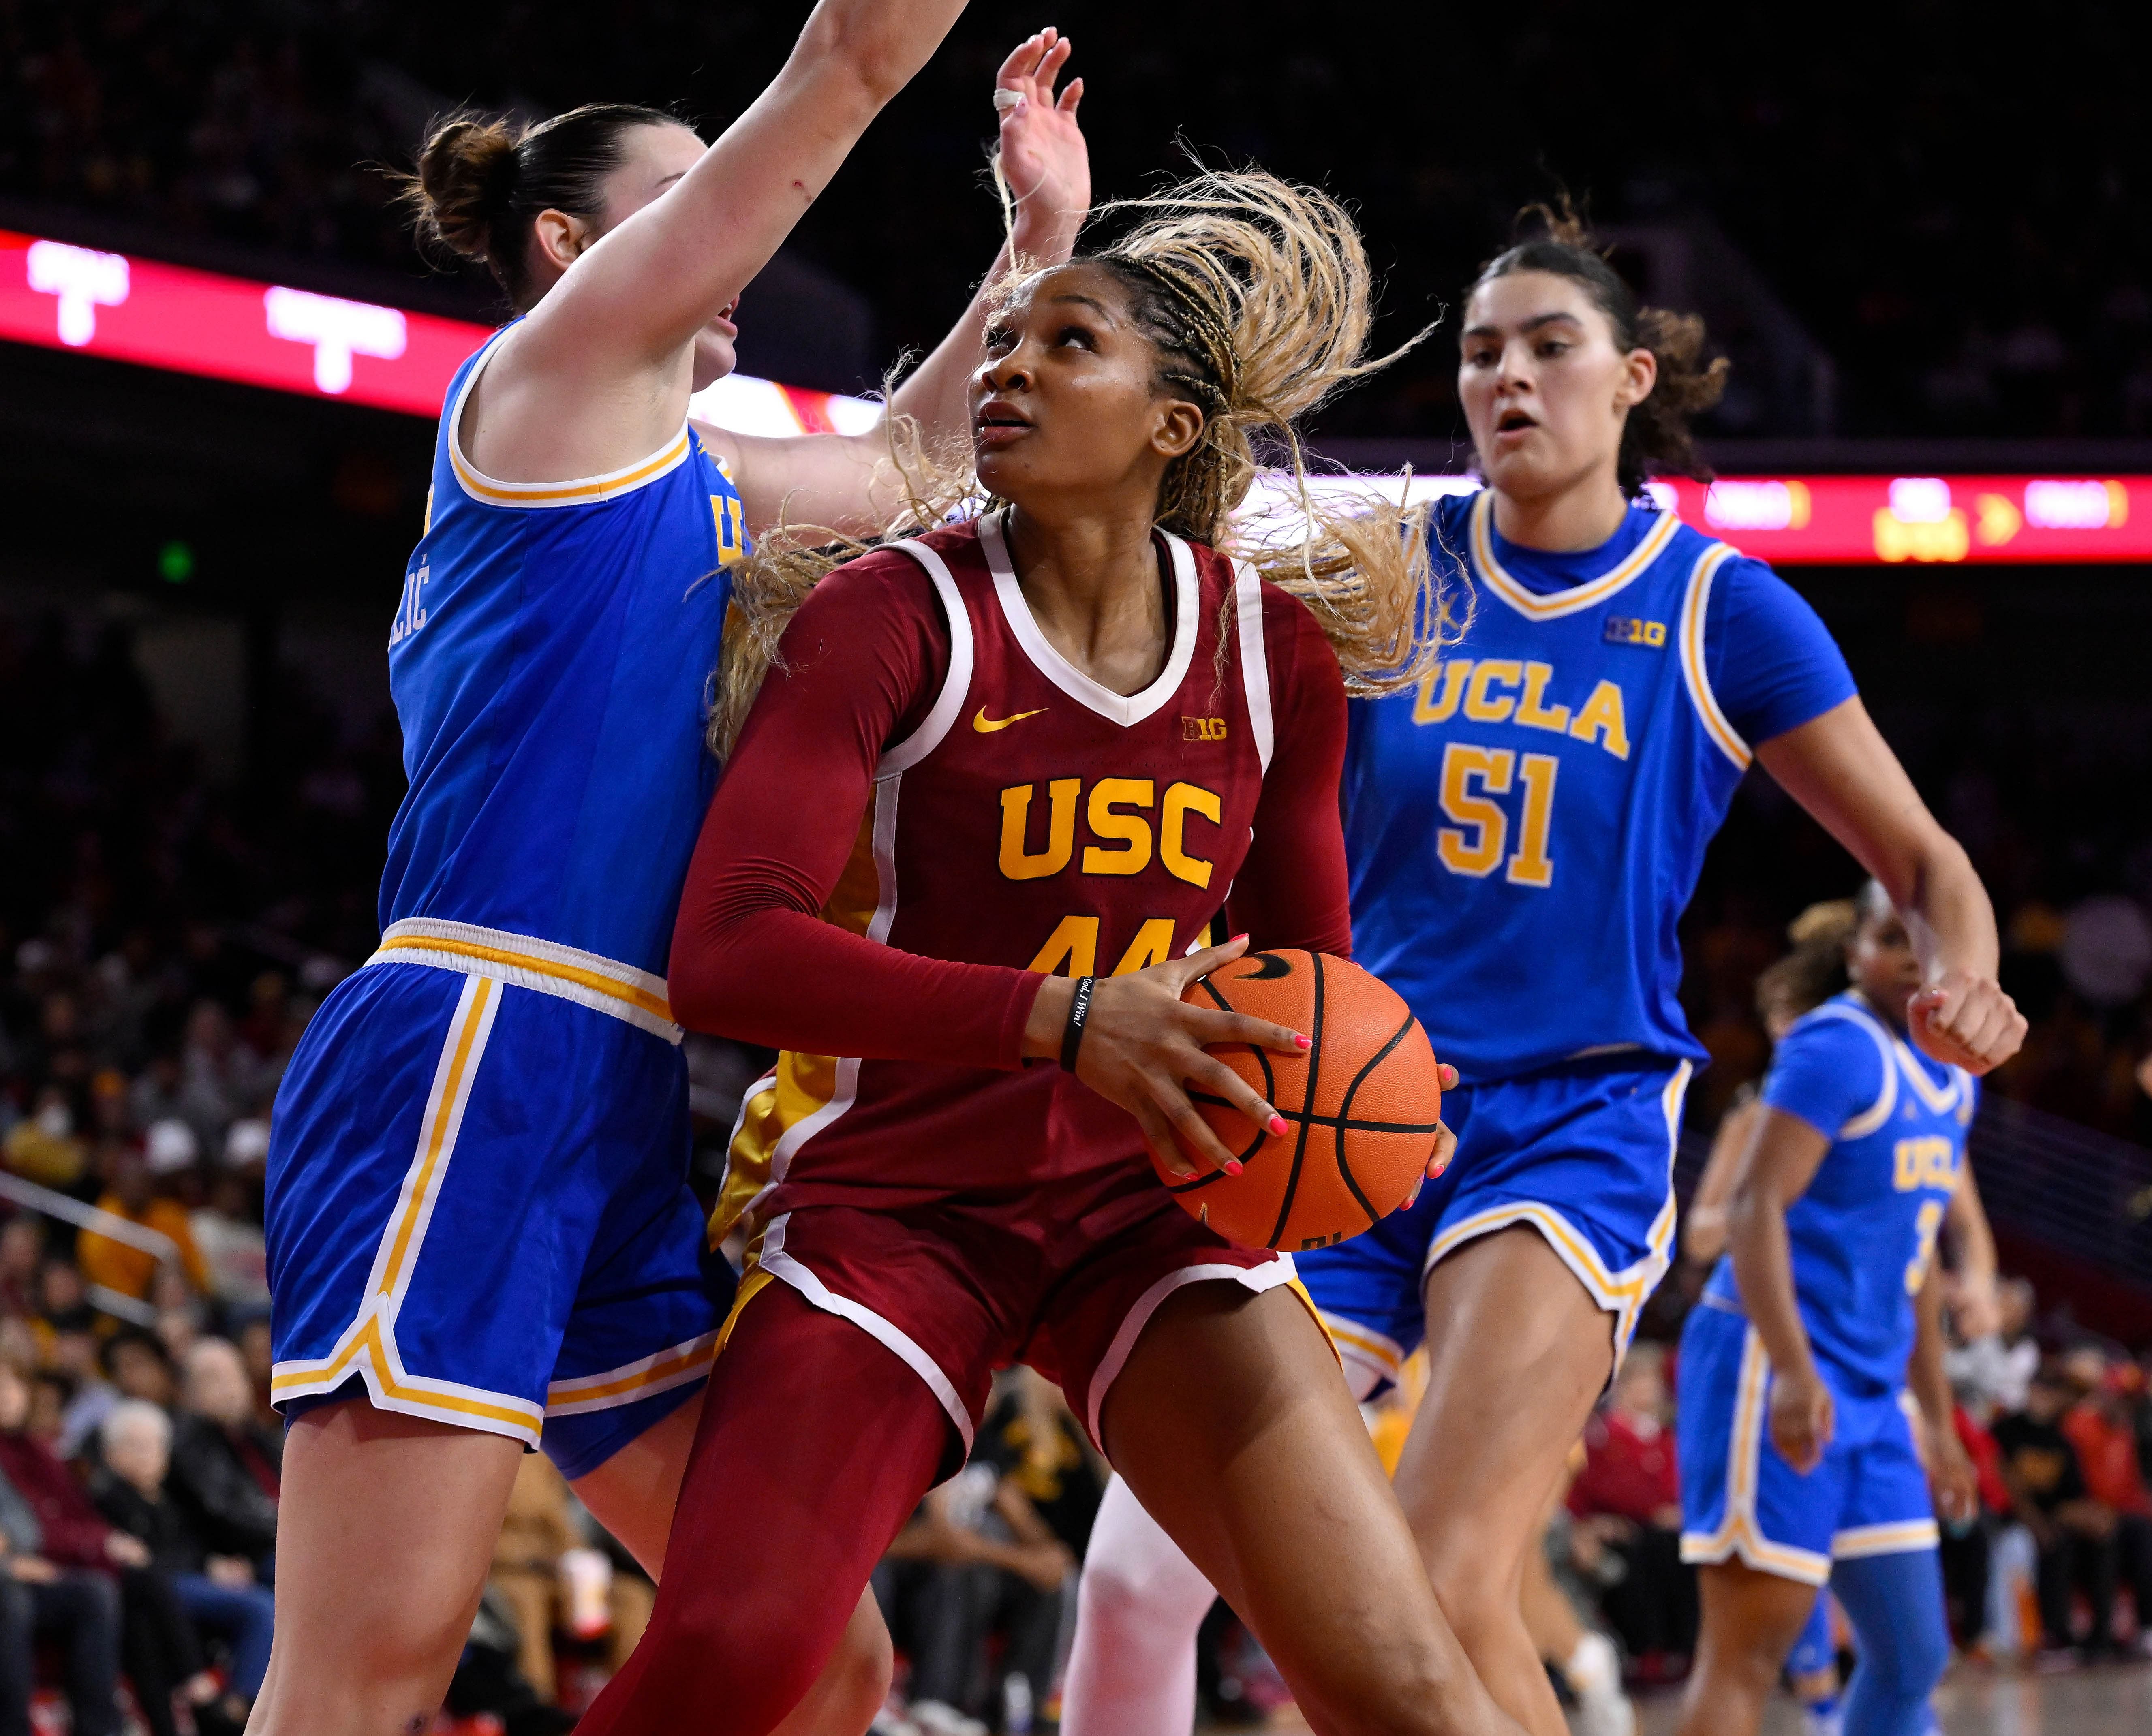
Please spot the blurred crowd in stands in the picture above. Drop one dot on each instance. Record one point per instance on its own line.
(164, 937)
(1954, 215)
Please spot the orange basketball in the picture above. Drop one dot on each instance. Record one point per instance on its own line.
(1360, 1107)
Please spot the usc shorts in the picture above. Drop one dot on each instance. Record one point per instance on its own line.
(959, 1291)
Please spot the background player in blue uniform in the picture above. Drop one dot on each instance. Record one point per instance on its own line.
(1798, 1461)
(1525, 832)
(479, 1225)
(1807, 976)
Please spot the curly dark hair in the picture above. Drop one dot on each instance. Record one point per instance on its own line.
(1656, 441)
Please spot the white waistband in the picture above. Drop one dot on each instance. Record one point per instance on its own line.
(603, 984)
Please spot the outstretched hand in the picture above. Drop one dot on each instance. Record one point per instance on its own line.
(1043, 158)
(1965, 1021)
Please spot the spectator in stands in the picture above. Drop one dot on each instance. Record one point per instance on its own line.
(221, 1076)
(62, 1306)
(226, 1467)
(44, 1146)
(234, 1254)
(2101, 1426)
(976, 1559)
(218, 1593)
(1628, 1494)
(1996, 1369)
(156, 1643)
(156, 1095)
(131, 1193)
(257, 1350)
(536, 1533)
(2074, 1533)
(79, 1608)
(137, 1365)
(22, 1253)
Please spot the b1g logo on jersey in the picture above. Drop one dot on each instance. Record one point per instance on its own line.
(1203, 729)
(411, 610)
(1625, 630)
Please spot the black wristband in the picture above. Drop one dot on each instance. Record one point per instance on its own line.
(1072, 1035)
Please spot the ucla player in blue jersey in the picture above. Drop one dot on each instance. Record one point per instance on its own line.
(1525, 832)
(1799, 1464)
(480, 1236)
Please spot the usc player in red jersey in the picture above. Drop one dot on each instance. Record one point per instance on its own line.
(1000, 778)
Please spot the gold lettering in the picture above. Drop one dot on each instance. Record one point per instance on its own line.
(1130, 830)
(1478, 705)
(1153, 945)
(1016, 863)
(1181, 800)
(1602, 717)
(1473, 845)
(1427, 708)
(1533, 711)
(1074, 942)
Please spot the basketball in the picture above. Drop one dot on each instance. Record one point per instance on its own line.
(1360, 1107)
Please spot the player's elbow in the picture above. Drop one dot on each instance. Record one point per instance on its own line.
(699, 980)
(857, 59)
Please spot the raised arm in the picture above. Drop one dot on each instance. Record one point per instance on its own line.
(1838, 767)
(830, 479)
(614, 336)
(1780, 1162)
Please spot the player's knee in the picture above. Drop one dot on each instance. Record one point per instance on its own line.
(1139, 1601)
(772, 1653)
(1912, 1661)
(1418, 1696)
(1481, 1607)
(860, 1673)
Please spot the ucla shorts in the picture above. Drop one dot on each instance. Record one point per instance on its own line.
(477, 1197)
(1868, 1497)
(1582, 1153)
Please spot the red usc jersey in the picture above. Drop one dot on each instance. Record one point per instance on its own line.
(1006, 817)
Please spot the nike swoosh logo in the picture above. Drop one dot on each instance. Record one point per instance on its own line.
(986, 726)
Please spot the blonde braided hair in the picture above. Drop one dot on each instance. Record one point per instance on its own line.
(1257, 294)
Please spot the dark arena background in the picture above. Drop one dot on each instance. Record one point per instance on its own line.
(1918, 231)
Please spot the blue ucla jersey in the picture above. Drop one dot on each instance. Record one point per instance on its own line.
(1525, 829)
(551, 661)
(1863, 1234)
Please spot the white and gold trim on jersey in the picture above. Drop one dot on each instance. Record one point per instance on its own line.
(1487, 565)
(580, 491)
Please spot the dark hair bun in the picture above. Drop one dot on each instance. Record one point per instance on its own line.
(465, 183)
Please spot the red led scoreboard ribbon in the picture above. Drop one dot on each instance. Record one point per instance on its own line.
(65, 297)
(1860, 520)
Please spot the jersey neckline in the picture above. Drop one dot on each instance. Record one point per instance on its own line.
(1125, 709)
(1939, 1100)
(578, 491)
(1588, 594)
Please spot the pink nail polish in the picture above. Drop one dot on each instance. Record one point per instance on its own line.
(1234, 1166)
(1304, 1041)
(1278, 1123)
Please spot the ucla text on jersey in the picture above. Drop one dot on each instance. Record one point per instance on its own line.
(1531, 821)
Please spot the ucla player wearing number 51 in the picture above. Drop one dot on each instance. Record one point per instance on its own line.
(1798, 1459)
(1524, 833)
